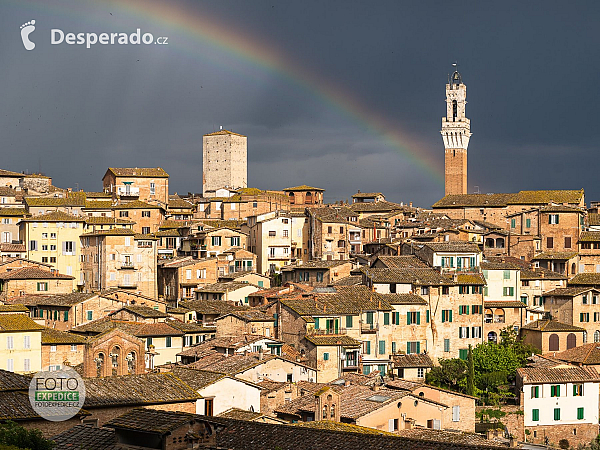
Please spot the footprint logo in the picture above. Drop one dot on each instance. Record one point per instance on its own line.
(26, 29)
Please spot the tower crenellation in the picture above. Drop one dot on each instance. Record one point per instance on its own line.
(456, 132)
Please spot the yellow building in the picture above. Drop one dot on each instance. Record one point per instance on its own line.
(53, 238)
(20, 344)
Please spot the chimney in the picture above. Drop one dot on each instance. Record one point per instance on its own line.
(410, 204)
(260, 354)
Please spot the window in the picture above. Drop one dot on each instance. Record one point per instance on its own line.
(145, 230)
(476, 309)
(53, 259)
(463, 309)
(33, 246)
(10, 342)
(285, 233)
(26, 365)
(446, 345)
(445, 290)
(90, 315)
(535, 415)
(382, 347)
(535, 392)
(446, 315)
(550, 242)
(53, 348)
(424, 290)
(527, 223)
(556, 413)
(456, 413)
(386, 318)
(567, 241)
(413, 318)
(513, 223)
(73, 347)
(319, 277)
(413, 347)
(367, 347)
(188, 274)
(447, 261)
(578, 390)
(555, 390)
(420, 372)
(579, 413)
(463, 332)
(325, 356)
(553, 219)
(476, 332)
(68, 247)
(553, 344)
(145, 213)
(27, 342)
(349, 320)
(508, 291)
(584, 317)
(123, 213)
(168, 341)
(42, 286)
(235, 241)
(10, 365)
(216, 240)
(152, 188)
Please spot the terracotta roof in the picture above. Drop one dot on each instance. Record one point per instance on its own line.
(143, 311)
(567, 292)
(188, 327)
(520, 198)
(52, 336)
(16, 307)
(412, 360)
(379, 206)
(317, 264)
(4, 212)
(346, 300)
(10, 174)
(539, 273)
(146, 172)
(251, 315)
(87, 437)
(145, 389)
(20, 248)
(224, 133)
(585, 279)
(329, 340)
(557, 374)
(402, 262)
(211, 306)
(107, 221)
(240, 414)
(456, 246)
(33, 273)
(451, 438)
(303, 187)
(366, 194)
(352, 280)
(55, 201)
(10, 381)
(330, 425)
(593, 219)
(504, 304)
(17, 322)
(135, 204)
(550, 325)
(499, 265)
(158, 329)
(589, 236)
(15, 405)
(584, 354)
(226, 286)
(55, 216)
(471, 279)
(179, 203)
(197, 379)
(153, 421)
(554, 255)
(60, 299)
(111, 232)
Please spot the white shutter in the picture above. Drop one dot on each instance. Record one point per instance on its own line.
(9, 342)
(456, 413)
(10, 365)
(139, 257)
(26, 365)
(26, 342)
(69, 270)
(437, 424)
(390, 425)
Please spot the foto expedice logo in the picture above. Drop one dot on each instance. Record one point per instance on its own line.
(57, 395)
(58, 36)
(26, 29)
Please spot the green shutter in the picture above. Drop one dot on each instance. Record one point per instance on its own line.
(579, 413)
(348, 321)
(462, 353)
(556, 413)
(397, 318)
(368, 347)
(407, 318)
(581, 317)
(427, 315)
(66, 315)
(408, 348)
(535, 415)
(558, 390)
(386, 318)
(460, 310)
(418, 318)
(443, 315)
(528, 223)
(467, 309)
(393, 347)
(316, 323)
(382, 347)
(325, 356)
(418, 347)
(450, 320)
(513, 223)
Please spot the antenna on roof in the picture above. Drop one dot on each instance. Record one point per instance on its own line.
(220, 127)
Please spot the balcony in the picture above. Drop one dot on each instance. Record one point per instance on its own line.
(350, 364)
(369, 328)
(326, 331)
(127, 265)
(128, 191)
(130, 285)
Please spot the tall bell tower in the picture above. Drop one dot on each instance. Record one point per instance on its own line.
(456, 131)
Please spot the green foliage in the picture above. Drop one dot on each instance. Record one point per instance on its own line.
(450, 374)
(489, 413)
(564, 443)
(470, 387)
(15, 435)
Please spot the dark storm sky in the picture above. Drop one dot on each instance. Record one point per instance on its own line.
(531, 69)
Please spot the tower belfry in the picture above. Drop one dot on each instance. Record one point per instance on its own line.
(456, 131)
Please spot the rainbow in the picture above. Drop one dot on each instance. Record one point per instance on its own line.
(256, 52)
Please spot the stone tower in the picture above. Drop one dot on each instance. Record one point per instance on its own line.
(456, 131)
(224, 161)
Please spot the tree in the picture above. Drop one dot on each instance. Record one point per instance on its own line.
(470, 373)
(449, 374)
(15, 435)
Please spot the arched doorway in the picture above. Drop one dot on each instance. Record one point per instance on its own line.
(553, 345)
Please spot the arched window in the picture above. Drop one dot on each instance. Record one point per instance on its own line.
(99, 360)
(454, 110)
(492, 337)
(489, 243)
(585, 337)
(573, 269)
(333, 411)
(571, 341)
(115, 355)
(131, 360)
(596, 336)
(499, 315)
(553, 342)
(325, 412)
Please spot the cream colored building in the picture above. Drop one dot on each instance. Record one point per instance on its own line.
(119, 258)
(271, 240)
(53, 238)
(224, 161)
(20, 344)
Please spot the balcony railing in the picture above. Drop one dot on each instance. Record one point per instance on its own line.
(367, 328)
(326, 331)
(131, 192)
(127, 265)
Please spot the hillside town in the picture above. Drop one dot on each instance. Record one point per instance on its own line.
(248, 317)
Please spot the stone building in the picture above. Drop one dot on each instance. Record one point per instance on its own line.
(146, 217)
(119, 258)
(135, 183)
(224, 161)
(301, 196)
(317, 273)
(552, 335)
(456, 132)
(179, 278)
(33, 280)
(61, 349)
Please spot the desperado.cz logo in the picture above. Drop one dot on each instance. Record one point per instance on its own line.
(58, 36)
